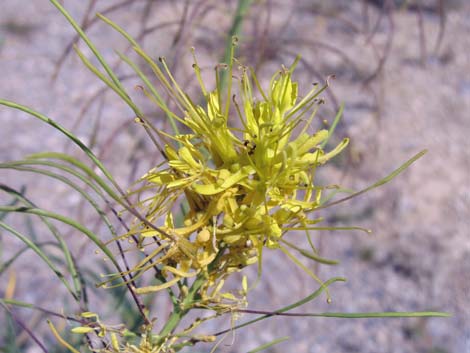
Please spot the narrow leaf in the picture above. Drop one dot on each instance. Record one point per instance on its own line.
(54, 231)
(269, 344)
(378, 183)
(92, 236)
(288, 307)
(67, 133)
(40, 253)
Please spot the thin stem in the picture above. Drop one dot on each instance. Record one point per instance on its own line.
(25, 328)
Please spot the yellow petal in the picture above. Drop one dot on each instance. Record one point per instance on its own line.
(179, 272)
(114, 342)
(186, 156)
(153, 289)
(161, 178)
(312, 141)
(89, 315)
(245, 284)
(82, 330)
(341, 146)
(215, 188)
(60, 339)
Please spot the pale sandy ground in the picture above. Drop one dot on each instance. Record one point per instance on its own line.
(419, 255)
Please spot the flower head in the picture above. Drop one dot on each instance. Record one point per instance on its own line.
(245, 185)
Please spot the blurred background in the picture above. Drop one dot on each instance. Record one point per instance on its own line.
(402, 70)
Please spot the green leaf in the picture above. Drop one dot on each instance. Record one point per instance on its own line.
(235, 30)
(80, 165)
(5, 265)
(269, 344)
(333, 125)
(378, 183)
(89, 43)
(54, 231)
(92, 236)
(39, 252)
(385, 314)
(310, 254)
(119, 91)
(66, 180)
(17, 303)
(156, 98)
(127, 205)
(10, 337)
(13, 202)
(289, 307)
(67, 133)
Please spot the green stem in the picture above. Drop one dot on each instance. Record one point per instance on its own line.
(182, 309)
(242, 8)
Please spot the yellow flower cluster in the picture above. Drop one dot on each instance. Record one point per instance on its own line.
(113, 336)
(245, 185)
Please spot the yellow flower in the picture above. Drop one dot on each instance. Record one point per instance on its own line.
(245, 186)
